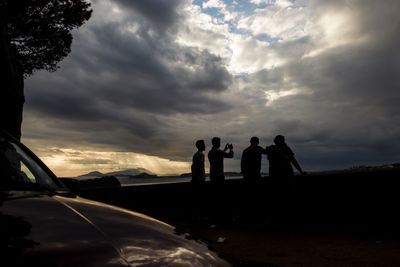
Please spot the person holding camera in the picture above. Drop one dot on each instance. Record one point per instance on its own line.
(216, 158)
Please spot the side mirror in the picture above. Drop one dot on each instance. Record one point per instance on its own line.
(72, 184)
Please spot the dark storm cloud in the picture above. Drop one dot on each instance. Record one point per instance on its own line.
(118, 85)
(65, 104)
(149, 73)
(162, 13)
(142, 133)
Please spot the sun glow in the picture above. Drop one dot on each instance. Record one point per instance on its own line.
(72, 162)
(272, 96)
(337, 29)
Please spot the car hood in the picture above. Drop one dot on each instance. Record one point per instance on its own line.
(63, 231)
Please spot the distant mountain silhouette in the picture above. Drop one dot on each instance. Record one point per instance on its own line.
(92, 174)
(130, 172)
(134, 172)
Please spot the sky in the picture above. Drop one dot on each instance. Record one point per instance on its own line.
(147, 78)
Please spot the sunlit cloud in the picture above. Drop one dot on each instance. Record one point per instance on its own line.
(281, 20)
(214, 4)
(70, 162)
(251, 55)
(335, 29)
(203, 32)
(273, 96)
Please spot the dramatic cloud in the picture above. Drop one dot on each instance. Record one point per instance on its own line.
(151, 77)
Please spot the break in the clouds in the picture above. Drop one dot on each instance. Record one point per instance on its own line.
(150, 77)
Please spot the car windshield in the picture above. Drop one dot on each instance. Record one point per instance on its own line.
(19, 171)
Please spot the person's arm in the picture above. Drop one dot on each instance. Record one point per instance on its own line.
(194, 160)
(194, 167)
(263, 150)
(202, 165)
(228, 154)
(243, 162)
(297, 165)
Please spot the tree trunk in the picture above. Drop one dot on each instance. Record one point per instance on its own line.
(11, 87)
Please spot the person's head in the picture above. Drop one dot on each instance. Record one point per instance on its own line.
(216, 142)
(201, 146)
(254, 141)
(279, 140)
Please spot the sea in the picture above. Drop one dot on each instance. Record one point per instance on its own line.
(126, 181)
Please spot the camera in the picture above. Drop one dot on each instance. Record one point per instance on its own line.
(230, 146)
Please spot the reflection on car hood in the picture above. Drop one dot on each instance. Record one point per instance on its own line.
(80, 232)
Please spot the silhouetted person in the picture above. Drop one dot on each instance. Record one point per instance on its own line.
(251, 161)
(216, 157)
(251, 192)
(197, 207)
(281, 158)
(198, 170)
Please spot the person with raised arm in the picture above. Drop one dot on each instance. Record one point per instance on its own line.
(216, 158)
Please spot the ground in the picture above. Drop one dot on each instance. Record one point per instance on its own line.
(345, 219)
(263, 247)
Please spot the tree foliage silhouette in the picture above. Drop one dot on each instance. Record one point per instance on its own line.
(34, 35)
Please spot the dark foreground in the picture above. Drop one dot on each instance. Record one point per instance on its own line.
(321, 220)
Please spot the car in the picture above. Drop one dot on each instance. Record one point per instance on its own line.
(43, 224)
